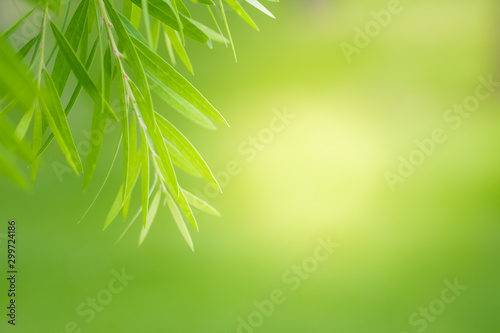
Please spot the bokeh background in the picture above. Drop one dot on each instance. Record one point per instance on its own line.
(322, 175)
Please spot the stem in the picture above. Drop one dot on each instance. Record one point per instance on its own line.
(108, 25)
(129, 92)
(42, 43)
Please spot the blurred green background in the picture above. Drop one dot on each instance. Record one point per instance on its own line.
(322, 175)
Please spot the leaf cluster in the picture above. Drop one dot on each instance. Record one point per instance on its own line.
(123, 46)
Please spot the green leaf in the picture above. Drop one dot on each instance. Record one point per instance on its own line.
(182, 8)
(155, 31)
(170, 50)
(136, 215)
(157, 143)
(37, 141)
(206, 2)
(185, 147)
(150, 216)
(91, 17)
(16, 25)
(98, 125)
(200, 204)
(180, 160)
(132, 57)
(135, 16)
(179, 220)
(132, 156)
(191, 30)
(72, 99)
(260, 7)
(227, 29)
(127, 9)
(144, 179)
(9, 170)
(80, 71)
(15, 80)
(178, 47)
(178, 103)
(73, 35)
(172, 79)
(131, 29)
(104, 182)
(147, 23)
(115, 208)
(22, 126)
(173, 4)
(235, 5)
(164, 11)
(166, 93)
(143, 100)
(23, 52)
(59, 124)
(124, 107)
(12, 142)
(120, 198)
(186, 208)
(213, 35)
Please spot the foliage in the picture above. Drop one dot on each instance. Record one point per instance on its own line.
(123, 46)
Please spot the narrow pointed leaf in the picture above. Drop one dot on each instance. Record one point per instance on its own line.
(163, 11)
(212, 34)
(133, 155)
(180, 160)
(124, 107)
(59, 125)
(80, 71)
(16, 25)
(10, 170)
(182, 8)
(12, 142)
(104, 182)
(150, 216)
(15, 81)
(174, 136)
(119, 200)
(179, 221)
(22, 126)
(260, 7)
(200, 204)
(178, 47)
(72, 99)
(178, 103)
(73, 36)
(135, 16)
(23, 52)
(227, 29)
(37, 141)
(186, 209)
(144, 179)
(115, 208)
(171, 78)
(98, 126)
(235, 5)
(158, 144)
(147, 23)
(206, 2)
(132, 57)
